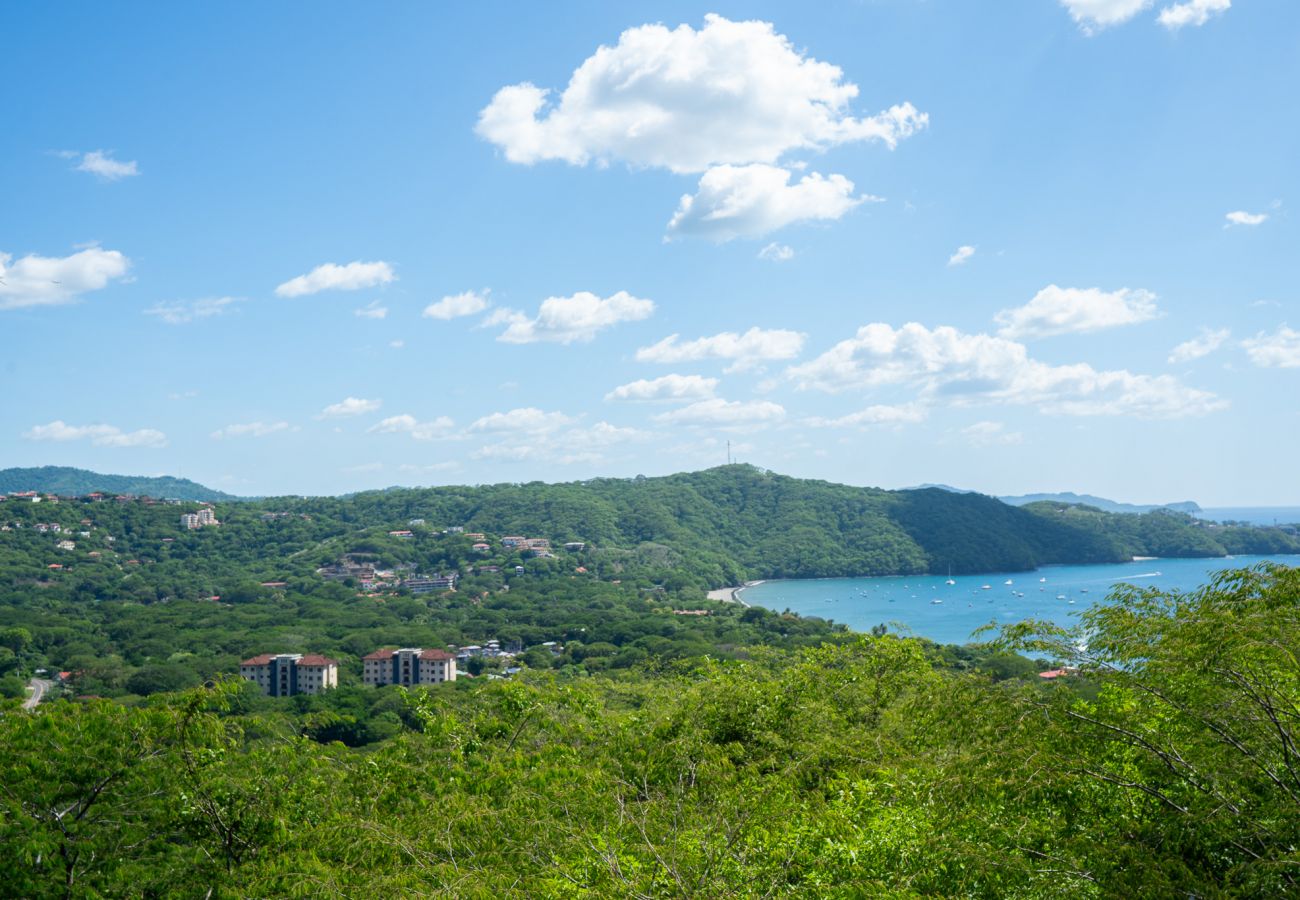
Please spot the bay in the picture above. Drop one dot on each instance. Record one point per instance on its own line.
(904, 603)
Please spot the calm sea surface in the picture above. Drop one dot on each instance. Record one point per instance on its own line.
(905, 603)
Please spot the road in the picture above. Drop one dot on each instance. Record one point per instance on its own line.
(38, 688)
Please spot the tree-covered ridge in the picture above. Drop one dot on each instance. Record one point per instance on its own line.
(66, 481)
(1163, 765)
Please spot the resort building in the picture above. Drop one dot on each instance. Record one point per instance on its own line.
(286, 674)
(408, 666)
(200, 519)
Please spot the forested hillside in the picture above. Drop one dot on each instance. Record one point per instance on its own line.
(66, 481)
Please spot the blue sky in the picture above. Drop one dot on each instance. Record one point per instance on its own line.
(315, 248)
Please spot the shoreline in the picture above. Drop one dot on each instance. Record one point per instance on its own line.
(732, 594)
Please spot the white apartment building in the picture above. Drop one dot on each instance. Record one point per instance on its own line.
(408, 666)
(286, 674)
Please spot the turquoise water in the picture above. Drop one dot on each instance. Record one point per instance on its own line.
(904, 602)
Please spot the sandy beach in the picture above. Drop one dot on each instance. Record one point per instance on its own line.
(731, 594)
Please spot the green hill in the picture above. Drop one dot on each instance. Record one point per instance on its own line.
(69, 482)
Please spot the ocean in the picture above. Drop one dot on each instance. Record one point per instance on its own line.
(1255, 515)
(1056, 593)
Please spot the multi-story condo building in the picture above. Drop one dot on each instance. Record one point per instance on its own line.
(408, 666)
(200, 519)
(286, 674)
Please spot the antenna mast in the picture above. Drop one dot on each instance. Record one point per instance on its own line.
(728, 451)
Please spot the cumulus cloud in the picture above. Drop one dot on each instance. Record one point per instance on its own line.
(565, 320)
(776, 253)
(99, 435)
(945, 364)
(1193, 12)
(750, 201)
(753, 348)
(440, 427)
(963, 253)
(990, 434)
(371, 310)
(534, 434)
(1058, 310)
(906, 414)
(251, 429)
(54, 280)
(1094, 15)
(719, 413)
(457, 305)
(181, 313)
(528, 419)
(350, 406)
(102, 164)
(332, 277)
(685, 100)
(1241, 217)
(666, 387)
(1208, 341)
(1279, 350)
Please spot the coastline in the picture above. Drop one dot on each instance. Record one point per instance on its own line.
(732, 594)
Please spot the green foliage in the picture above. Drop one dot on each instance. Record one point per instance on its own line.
(68, 482)
(865, 768)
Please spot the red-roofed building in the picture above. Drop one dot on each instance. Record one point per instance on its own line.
(286, 674)
(408, 666)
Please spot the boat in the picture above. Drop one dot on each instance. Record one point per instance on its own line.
(1060, 596)
(1043, 579)
(935, 602)
(1008, 581)
(986, 587)
(950, 581)
(1083, 590)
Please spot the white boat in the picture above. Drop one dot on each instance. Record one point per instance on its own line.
(935, 602)
(1060, 596)
(950, 581)
(1042, 580)
(986, 587)
(1008, 581)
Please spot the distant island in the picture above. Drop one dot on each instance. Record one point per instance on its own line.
(1113, 506)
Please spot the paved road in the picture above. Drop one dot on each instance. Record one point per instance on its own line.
(38, 687)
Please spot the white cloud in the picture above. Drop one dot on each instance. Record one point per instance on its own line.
(964, 369)
(527, 419)
(719, 413)
(350, 406)
(989, 434)
(441, 427)
(750, 201)
(102, 164)
(537, 435)
(180, 313)
(685, 100)
(1207, 343)
(1280, 350)
(456, 305)
(1193, 12)
(332, 277)
(964, 252)
(1058, 310)
(666, 387)
(747, 351)
(1241, 217)
(429, 468)
(371, 310)
(100, 435)
(908, 414)
(565, 320)
(397, 344)
(777, 253)
(1093, 15)
(54, 280)
(251, 429)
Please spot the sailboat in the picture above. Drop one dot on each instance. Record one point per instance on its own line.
(950, 581)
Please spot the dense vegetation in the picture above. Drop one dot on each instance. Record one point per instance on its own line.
(1165, 766)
